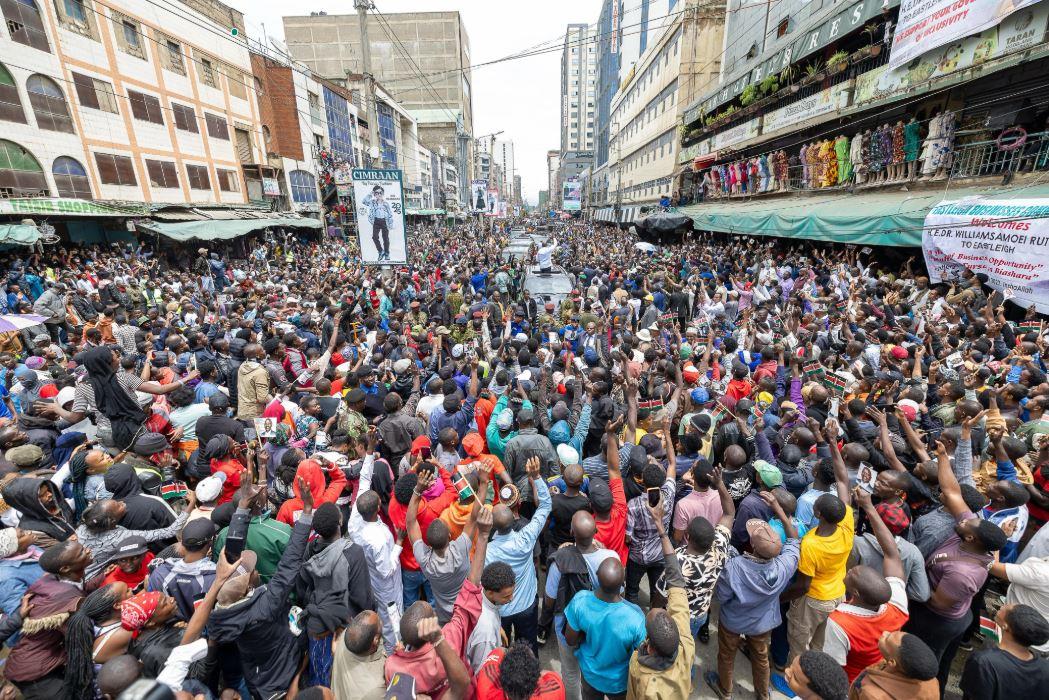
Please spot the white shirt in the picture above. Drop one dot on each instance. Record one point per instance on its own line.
(1029, 584)
(177, 666)
(380, 551)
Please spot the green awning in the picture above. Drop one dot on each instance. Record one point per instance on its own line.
(423, 212)
(20, 234)
(890, 218)
(213, 229)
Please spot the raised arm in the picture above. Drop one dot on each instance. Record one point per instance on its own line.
(425, 480)
(950, 490)
(893, 564)
(728, 506)
(841, 474)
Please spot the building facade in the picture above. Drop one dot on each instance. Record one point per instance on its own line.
(578, 87)
(403, 46)
(129, 101)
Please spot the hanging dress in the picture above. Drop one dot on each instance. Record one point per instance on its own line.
(802, 156)
(911, 141)
(931, 155)
(830, 164)
(841, 150)
(897, 144)
(856, 155)
(885, 134)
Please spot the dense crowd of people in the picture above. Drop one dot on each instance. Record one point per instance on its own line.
(269, 471)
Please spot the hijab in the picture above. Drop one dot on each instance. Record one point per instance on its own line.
(123, 412)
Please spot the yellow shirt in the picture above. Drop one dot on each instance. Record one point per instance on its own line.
(824, 559)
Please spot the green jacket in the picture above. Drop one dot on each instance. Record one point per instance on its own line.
(496, 442)
(266, 537)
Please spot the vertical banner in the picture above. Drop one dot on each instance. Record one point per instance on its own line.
(1007, 240)
(379, 200)
(478, 192)
(572, 195)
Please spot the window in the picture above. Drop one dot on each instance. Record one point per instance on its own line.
(217, 128)
(71, 178)
(303, 186)
(228, 180)
(783, 28)
(162, 173)
(242, 135)
(128, 35)
(95, 93)
(198, 177)
(145, 107)
(207, 73)
(237, 82)
(171, 55)
(115, 170)
(76, 17)
(10, 102)
(49, 104)
(24, 23)
(20, 173)
(185, 118)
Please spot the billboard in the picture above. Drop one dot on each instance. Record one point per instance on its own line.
(572, 195)
(478, 195)
(492, 201)
(379, 202)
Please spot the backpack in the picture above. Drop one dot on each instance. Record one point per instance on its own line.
(575, 576)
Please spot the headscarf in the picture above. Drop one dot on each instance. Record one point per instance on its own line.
(136, 611)
(78, 478)
(8, 542)
(31, 387)
(124, 414)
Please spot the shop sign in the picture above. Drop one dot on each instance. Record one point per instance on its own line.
(829, 100)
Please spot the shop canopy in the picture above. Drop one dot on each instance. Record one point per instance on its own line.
(18, 234)
(889, 218)
(423, 212)
(223, 229)
(67, 206)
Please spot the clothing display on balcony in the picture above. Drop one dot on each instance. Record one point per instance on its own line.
(877, 158)
(897, 144)
(911, 140)
(830, 164)
(803, 159)
(885, 135)
(841, 151)
(936, 151)
(856, 155)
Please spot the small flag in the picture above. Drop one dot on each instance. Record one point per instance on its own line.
(669, 316)
(841, 305)
(720, 412)
(989, 628)
(835, 383)
(650, 405)
(777, 337)
(173, 490)
(462, 486)
(1030, 327)
(813, 369)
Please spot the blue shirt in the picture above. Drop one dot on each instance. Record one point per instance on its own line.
(515, 549)
(205, 390)
(613, 632)
(777, 526)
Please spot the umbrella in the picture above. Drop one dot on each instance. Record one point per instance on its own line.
(16, 322)
(663, 222)
(646, 247)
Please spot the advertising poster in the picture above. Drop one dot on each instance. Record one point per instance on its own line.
(478, 195)
(829, 100)
(492, 201)
(572, 195)
(925, 25)
(1008, 240)
(1018, 32)
(379, 201)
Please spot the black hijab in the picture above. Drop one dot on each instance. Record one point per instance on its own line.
(123, 412)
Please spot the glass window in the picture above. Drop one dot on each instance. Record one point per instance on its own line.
(145, 107)
(130, 30)
(49, 104)
(340, 128)
(10, 102)
(228, 180)
(162, 173)
(303, 186)
(115, 170)
(95, 93)
(207, 73)
(71, 178)
(198, 177)
(24, 23)
(20, 173)
(185, 118)
(217, 127)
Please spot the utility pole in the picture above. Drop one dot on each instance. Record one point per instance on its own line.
(619, 173)
(362, 7)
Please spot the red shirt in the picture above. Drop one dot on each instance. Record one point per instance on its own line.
(132, 580)
(234, 472)
(612, 532)
(489, 685)
(428, 512)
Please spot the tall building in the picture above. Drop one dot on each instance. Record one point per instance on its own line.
(504, 156)
(609, 46)
(578, 87)
(128, 100)
(553, 171)
(403, 46)
(675, 49)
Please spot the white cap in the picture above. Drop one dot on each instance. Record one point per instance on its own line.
(209, 488)
(567, 454)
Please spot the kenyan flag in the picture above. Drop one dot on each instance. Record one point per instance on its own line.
(835, 383)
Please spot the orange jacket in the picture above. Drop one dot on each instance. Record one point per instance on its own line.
(311, 471)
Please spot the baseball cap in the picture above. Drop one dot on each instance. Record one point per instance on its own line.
(505, 419)
(567, 454)
(198, 533)
(401, 366)
(209, 488)
(764, 542)
(768, 473)
(131, 546)
(600, 495)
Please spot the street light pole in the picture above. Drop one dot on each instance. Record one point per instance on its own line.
(619, 173)
(362, 7)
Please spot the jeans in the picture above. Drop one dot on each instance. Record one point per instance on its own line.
(635, 572)
(412, 581)
(569, 671)
(942, 634)
(728, 644)
(591, 693)
(524, 625)
(380, 226)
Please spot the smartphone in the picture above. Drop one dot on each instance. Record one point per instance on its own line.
(654, 495)
(425, 452)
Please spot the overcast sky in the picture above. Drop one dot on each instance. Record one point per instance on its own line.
(522, 98)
